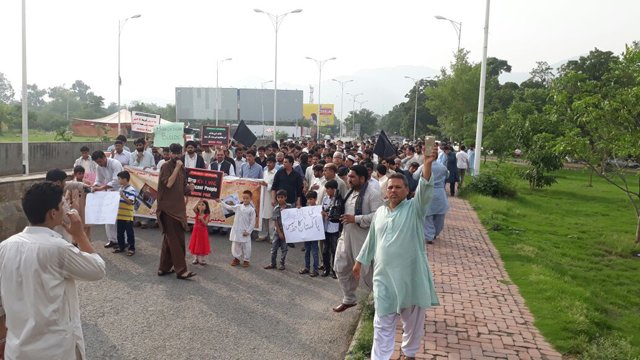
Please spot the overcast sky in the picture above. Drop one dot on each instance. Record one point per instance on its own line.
(177, 43)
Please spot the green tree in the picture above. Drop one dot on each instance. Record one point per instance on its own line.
(367, 119)
(35, 96)
(6, 90)
(597, 100)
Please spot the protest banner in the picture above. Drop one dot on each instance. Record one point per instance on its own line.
(143, 122)
(167, 134)
(303, 224)
(208, 183)
(146, 183)
(102, 207)
(215, 135)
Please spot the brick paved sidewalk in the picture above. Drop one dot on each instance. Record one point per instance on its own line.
(481, 316)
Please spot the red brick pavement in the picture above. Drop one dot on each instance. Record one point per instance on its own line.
(481, 316)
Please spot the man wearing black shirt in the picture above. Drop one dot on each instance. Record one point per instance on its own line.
(289, 180)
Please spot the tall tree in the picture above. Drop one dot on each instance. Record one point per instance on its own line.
(367, 119)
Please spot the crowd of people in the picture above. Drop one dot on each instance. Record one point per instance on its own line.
(378, 215)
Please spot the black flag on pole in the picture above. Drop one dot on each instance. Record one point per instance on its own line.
(384, 148)
(244, 135)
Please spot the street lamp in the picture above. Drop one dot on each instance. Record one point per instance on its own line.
(342, 83)
(355, 97)
(483, 79)
(120, 27)
(320, 64)
(262, 102)
(415, 111)
(218, 64)
(360, 103)
(456, 25)
(25, 99)
(276, 20)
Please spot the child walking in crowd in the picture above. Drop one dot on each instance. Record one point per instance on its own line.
(278, 238)
(199, 245)
(243, 224)
(125, 214)
(332, 209)
(311, 247)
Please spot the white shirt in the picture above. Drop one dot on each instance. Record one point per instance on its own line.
(88, 164)
(109, 175)
(373, 184)
(190, 162)
(462, 159)
(244, 220)
(160, 163)
(267, 208)
(124, 157)
(145, 162)
(38, 270)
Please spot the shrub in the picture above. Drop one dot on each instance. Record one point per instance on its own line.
(491, 184)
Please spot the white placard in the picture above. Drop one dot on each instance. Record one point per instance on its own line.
(304, 224)
(143, 122)
(102, 207)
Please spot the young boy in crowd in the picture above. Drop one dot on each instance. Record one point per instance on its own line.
(243, 224)
(278, 238)
(80, 196)
(311, 247)
(125, 214)
(332, 209)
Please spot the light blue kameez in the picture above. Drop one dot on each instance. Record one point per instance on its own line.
(401, 274)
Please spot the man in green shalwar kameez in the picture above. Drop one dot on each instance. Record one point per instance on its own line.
(402, 281)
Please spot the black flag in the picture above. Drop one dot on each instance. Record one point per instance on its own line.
(244, 135)
(384, 148)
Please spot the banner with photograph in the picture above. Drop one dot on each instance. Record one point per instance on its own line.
(146, 183)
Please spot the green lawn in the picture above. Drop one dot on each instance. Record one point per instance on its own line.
(39, 136)
(569, 248)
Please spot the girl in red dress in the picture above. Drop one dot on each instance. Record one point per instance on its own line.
(199, 244)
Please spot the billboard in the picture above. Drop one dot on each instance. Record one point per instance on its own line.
(309, 112)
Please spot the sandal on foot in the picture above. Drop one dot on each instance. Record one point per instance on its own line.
(186, 276)
(195, 262)
(117, 251)
(163, 273)
(131, 252)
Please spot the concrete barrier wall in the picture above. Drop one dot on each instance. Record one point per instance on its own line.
(12, 218)
(43, 156)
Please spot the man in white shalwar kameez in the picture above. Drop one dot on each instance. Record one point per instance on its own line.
(243, 223)
(402, 281)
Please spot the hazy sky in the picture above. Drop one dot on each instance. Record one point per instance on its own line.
(177, 43)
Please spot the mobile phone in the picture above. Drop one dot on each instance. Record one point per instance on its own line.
(429, 141)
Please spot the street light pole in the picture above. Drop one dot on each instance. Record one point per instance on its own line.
(342, 83)
(360, 103)
(483, 78)
(121, 24)
(415, 111)
(457, 26)
(355, 97)
(320, 64)
(25, 111)
(276, 20)
(218, 64)
(262, 102)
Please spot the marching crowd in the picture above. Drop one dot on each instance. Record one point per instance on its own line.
(378, 212)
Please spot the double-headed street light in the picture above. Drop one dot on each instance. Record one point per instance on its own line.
(276, 20)
(342, 83)
(320, 64)
(456, 25)
(218, 64)
(120, 27)
(262, 102)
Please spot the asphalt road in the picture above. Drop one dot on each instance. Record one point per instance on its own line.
(223, 313)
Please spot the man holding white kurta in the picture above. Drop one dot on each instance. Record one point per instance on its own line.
(402, 280)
